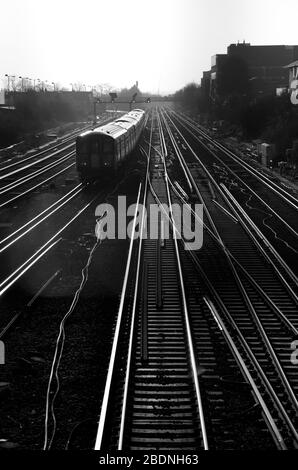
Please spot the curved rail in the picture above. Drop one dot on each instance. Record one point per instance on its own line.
(292, 328)
(285, 195)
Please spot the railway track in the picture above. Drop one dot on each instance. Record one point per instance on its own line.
(32, 240)
(26, 175)
(24, 264)
(36, 155)
(55, 234)
(166, 385)
(36, 158)
(272, 208)
(50, 222)
(202, 343)
(267, 180)
(254, 295)
(163, 409)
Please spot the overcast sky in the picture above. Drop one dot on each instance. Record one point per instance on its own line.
(163, 44)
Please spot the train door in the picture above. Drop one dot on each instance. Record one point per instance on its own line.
(117, 151)
(82, 151)
(108, 152)
(122, 147)
(130, 139)
(94, 152)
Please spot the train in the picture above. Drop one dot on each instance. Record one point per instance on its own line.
(101, 151)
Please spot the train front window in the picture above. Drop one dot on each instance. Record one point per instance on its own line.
(108, 152)
(94, 148)
(82, 146)
(108, 146)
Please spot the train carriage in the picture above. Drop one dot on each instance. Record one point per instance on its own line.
(100, 152)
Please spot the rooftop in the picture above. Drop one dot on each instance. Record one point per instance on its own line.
(292, 64)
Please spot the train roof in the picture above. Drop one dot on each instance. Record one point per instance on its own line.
(120, 125)
(85, 133)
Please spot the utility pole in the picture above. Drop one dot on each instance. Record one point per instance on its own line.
(8, 81)
(94, 110)
(22, 83)
(133, 100)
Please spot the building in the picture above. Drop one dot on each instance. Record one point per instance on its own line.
(2, 97)
(293, 72)
(205, 83)
(5, 105)
(217, 65)
(264, 66)
(293, 81)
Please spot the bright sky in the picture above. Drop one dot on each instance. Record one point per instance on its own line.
(163, 44)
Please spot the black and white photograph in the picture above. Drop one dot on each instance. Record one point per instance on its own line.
(148, 231)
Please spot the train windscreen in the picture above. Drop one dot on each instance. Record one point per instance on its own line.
(108, 146)
(82, 147)
(108, 152)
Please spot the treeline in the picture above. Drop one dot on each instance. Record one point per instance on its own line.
(189, 96)
(35, 112)
(127, 93)
(271, 118)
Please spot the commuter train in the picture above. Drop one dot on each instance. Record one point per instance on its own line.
(100, 152)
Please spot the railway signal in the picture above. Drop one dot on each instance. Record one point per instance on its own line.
(113, 96)
(133, 100)
(95, 102)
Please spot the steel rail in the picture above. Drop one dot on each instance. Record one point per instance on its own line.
(49, 149)
(272, 392)
(34, 174)
(193, 361)
(29, 304)
(3, 240)
(106, 396)
(290, 290)
(245, 372)
(34, 187)
(27, 266)
(14, 274)
(132, 329)
(254, 171)
(219, 242)
(7, 175)
(268, 207)
(247, 348)
(68, 197)
(263, 238)
(267, 243)
(275, 360)
(266, 383)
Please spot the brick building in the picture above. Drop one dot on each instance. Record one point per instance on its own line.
(265, 66)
